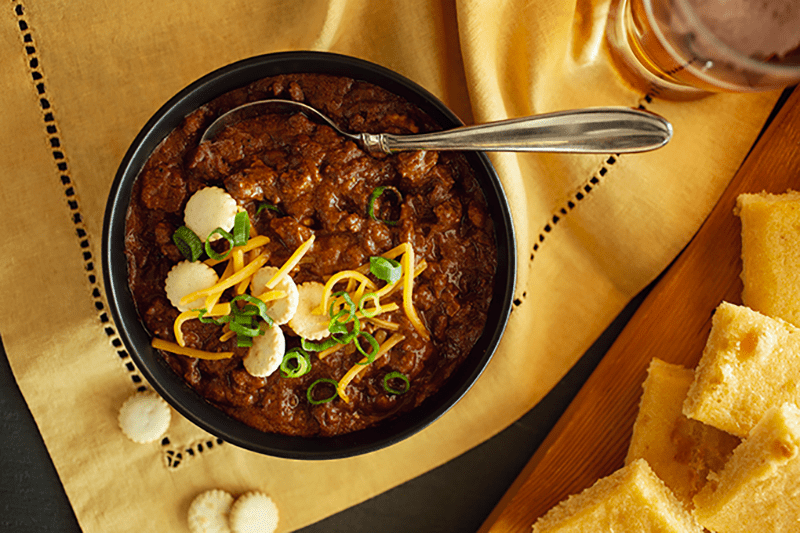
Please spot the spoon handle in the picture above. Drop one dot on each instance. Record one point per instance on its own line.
(594, 130)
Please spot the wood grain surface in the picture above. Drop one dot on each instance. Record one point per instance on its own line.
(591, 439)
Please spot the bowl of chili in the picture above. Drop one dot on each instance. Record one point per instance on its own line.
(307, 71)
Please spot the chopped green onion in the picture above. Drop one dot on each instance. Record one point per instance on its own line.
(317, 346)
(240, 327)
(296, 362)
(374, 196)
(351, 307)
(243, 341)
(384, 269)
(369, 313)
(338, 327)
(188, 243)
(310, 396)
(269, 206)
(241, 228)
(211, 252)
(211, 320)
(254, 306)
(335, 326)
(396, 375)
(372, 343)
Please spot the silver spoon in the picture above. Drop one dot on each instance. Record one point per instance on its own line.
(607, 130)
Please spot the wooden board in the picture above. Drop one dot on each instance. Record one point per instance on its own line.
(591, 438)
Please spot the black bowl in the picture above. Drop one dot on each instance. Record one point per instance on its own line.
(171, 386)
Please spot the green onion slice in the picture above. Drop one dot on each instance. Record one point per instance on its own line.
(396, 375)
(310, 396)
(339, 327)
(384, 269)
(211, 320)
(317, 346)
(269, 206)
(254, 307)
(351, 307)
(372, 343)
(243, 341)
(369, 313)
(244, 329)
(296, 362)
(188, 243)
(374, 196)
(210, 251)
(241, 228)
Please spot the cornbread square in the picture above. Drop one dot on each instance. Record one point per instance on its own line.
(680, 451)
(750, 363)
(759, 487)
(771, 253)
(632, 499)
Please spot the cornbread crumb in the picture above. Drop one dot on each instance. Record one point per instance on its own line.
(750, 363)
(771, 253)
(680, 451)
(631, 499)
(758, 488)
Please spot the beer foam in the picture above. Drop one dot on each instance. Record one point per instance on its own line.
(756, 28)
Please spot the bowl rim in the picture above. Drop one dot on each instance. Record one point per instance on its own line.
(172, 387)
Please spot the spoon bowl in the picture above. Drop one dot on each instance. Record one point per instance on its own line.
(593, 130)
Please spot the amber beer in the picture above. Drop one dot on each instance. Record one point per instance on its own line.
(658, 47)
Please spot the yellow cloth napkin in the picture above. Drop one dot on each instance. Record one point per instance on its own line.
(81, 78)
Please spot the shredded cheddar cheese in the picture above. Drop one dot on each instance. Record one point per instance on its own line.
(290, 263)
(385, 324)
(270, 295)
(217, 310)
(386, 308)
(408, 287)
(358, 368)
(230, 281)
(255, 242)
(336, 278)
(161, 344)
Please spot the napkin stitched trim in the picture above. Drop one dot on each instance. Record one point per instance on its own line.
(579, 195)
(63, 171)
(173, 457)
(581, 192)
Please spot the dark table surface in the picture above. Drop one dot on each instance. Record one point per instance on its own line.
(456, 497)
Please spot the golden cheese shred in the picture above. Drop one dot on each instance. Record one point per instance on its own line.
(336, 278)
(167, 346)
(253, 243)
(386, 308)
(238, 264)
(384, 324)
(230, 281)
(408, 287)
(357, 368)
(213, 298)
(290, 263)
(217, 310)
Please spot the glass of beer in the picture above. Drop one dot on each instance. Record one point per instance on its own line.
(681, 49)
